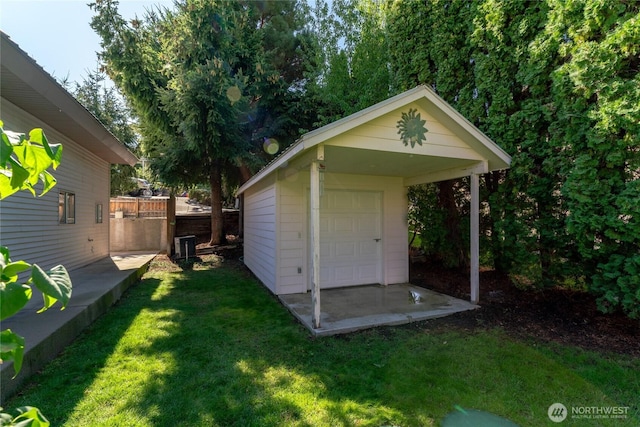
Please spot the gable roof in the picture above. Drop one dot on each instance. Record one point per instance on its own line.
(368, 139)
(24, 83)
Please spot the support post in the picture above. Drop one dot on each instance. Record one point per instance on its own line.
(241, 216)
(315, 237)
(475, 238)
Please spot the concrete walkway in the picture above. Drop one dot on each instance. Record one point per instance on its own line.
(359, 307)
(96, 287)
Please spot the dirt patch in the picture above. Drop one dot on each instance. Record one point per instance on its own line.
(231, 249)
(555, 314)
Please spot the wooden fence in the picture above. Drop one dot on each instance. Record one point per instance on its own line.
(136, 207)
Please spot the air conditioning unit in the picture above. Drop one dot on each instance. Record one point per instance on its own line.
(185, 246)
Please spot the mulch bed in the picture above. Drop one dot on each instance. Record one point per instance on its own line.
(552, 315)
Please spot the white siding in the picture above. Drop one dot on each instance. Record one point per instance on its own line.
(293, 236)
(395, 228)
(395, 268)
(376, 134)
(260, 233)
(29, 225)
(293, 222)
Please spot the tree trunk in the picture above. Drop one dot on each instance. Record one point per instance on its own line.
(215, 181)
(245, 173)
(447, 200)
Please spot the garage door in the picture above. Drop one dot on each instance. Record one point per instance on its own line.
(350, 233)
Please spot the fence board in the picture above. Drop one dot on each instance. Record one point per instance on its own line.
(136, 207)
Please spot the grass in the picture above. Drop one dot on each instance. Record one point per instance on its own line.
(207, 345)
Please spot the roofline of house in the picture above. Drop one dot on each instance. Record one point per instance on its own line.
(42, 88)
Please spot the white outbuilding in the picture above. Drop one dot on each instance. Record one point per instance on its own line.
(331, 210)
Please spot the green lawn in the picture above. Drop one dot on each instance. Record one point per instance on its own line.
(209, 346)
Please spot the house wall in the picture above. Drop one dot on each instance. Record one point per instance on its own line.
(260, 237)
(138, 234)
(441, 141)
(292, 224)
(29, 225)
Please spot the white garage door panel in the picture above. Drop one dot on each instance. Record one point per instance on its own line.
(369, 273)
(345, 273)
(369, 201)
(369, 248)
(368, 222)
(345, 249)
(350, 223)
(341, 225)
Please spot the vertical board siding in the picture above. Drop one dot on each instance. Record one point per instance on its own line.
(292, 251)
(260, 234)
(29, 225)
(395, 234)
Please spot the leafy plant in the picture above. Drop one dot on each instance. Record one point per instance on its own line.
(24, 161)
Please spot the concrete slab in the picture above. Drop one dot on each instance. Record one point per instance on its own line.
(95, 288)
(350, 309)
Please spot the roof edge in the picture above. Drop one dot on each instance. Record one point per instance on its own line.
(49, 89)
(317, 136)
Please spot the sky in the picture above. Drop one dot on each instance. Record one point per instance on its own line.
(57, 35)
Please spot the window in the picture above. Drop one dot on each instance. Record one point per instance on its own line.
(67, 208)
(99, 213)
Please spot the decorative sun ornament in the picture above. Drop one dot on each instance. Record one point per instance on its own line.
(411, 128)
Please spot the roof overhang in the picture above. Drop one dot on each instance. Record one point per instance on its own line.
(367, 143)
(25, 84)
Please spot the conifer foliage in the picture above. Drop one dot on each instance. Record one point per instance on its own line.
(555, 84)
(213, 83)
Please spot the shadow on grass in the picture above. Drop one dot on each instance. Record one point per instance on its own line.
(247, 362)
(74, 370)
(210, 346)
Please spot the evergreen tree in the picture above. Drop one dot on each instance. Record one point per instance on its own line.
(104, 102)
(555, 84)
(352, 65)
(429, 44)
(214, 83)
(597, 99)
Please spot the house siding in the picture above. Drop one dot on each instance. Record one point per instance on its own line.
(395, 258)
(375, 135)
(276, 234)
(363, 153)
(395, 228)
(260, 237)
(293, 237)
(29, 225)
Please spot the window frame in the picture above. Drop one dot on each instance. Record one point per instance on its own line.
(66, 207)
(99, 213)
